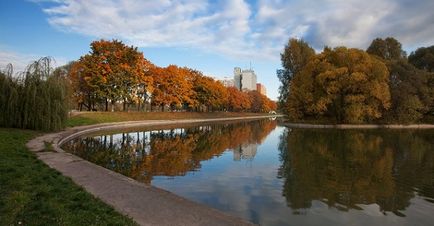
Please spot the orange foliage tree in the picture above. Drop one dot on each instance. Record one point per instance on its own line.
(237, 100)
(171, 88)
(111, 71)
(209, 92)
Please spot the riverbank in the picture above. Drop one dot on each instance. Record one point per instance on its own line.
(147, 205)
(91, 118)
(31, 193)
(355, 126)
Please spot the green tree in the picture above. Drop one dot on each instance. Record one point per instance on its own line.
(412, 95)
(387, 49)
(295, 56)
(423, 58)
(411, 89)
(36, 99)
(347, 84)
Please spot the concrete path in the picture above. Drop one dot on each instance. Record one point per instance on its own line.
(147, 205)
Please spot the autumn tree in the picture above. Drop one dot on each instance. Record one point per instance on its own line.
(238, 100)
(295, 56)
(172, 88)
(347, 84)
(209, 92)
(260, 103)
(111, 72)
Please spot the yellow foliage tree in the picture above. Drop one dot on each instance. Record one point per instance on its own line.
(347, 84)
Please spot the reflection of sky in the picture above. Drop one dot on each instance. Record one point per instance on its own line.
(249, 188)
(244, 182)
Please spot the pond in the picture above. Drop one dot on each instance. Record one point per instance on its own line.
(273, 175)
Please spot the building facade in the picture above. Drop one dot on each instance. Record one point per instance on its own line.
(261, 89)
(228, 82)
(245, 79)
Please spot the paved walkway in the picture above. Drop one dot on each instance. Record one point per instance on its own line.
(146, 204)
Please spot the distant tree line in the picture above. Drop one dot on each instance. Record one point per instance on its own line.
(114, 73)
(36, 99)
(347, 85)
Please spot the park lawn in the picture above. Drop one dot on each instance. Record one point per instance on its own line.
(89, 118)
(31, 193)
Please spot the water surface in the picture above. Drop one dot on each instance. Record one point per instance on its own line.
(274, 175)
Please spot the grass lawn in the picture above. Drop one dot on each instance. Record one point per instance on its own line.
(31, 193)
(89, 118)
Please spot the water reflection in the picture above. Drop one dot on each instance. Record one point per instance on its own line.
(171, 152)
(348, 169)
(273, 175)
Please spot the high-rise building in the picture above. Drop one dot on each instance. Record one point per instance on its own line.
(261, 89)
(245, 151)
(227, 82)
(245, 79)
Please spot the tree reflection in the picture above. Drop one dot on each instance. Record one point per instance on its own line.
(173, 152)
(344, 168)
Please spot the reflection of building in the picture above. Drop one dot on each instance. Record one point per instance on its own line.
(246, 151)
(245, 79)
(228, 82)
(261, 89)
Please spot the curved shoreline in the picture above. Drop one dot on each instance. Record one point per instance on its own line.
(356, 126)
(145, 204)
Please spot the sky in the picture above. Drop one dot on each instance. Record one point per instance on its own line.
(211, 36)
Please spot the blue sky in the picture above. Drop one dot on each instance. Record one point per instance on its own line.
(211, 36)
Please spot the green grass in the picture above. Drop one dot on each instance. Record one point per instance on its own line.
(31, 193)
(89, 118)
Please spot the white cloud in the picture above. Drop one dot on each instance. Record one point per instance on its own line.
(246, 30)
(352, 23)
(20, 61)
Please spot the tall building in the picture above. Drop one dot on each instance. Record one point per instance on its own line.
(245, 151)
(227, 82)
(261, 89)
(245, 79)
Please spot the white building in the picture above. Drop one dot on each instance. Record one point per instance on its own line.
(228, 82)
(245, 79)
(245, 151)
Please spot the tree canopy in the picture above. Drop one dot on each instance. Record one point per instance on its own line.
(347, 84)
(423, 58)
(36, 99)
(113, 72)
(387, 49)
(295, 56)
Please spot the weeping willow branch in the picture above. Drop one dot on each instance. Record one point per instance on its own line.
(35, 99)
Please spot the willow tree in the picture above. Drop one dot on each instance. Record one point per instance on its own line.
(348, 85)
(36, 99)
